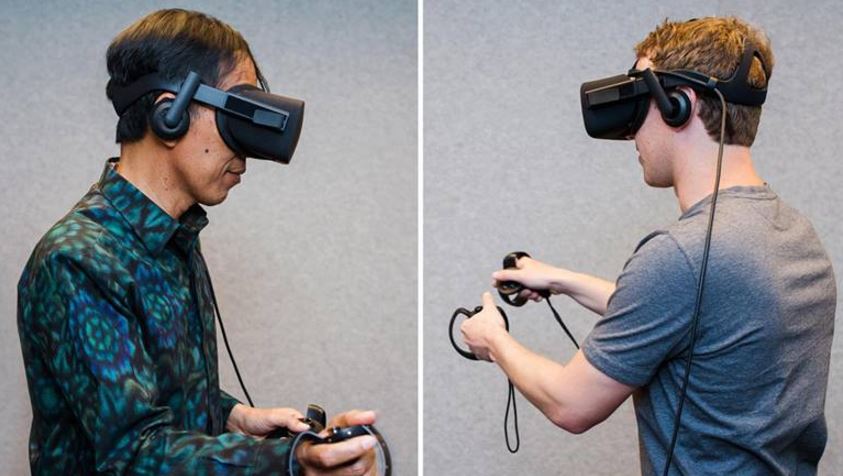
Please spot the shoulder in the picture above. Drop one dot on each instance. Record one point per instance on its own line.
(658, 253)
(658, 266)
(83, 241)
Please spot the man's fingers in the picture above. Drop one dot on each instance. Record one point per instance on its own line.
(289, 418)
(354, 417)
(530, 294)
(297, 426)
(335, 454)
(522, 261)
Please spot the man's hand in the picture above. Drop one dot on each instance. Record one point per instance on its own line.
(590, 291)
(258, 422)
(350, 457)
(534, 275)
(478, 331)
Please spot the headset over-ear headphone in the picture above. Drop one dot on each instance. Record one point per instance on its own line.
(169, 118)
(158, 122)
(679, 111)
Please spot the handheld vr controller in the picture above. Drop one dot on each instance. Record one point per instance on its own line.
(510, 399)
(315, 418)
(468, 315)
(509, 291)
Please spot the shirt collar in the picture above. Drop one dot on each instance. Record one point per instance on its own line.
(755, 192)
(152, 225)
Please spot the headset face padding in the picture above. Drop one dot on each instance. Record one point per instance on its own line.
(159, 126)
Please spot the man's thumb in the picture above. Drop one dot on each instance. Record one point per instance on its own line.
(488, 300)
(506, 275)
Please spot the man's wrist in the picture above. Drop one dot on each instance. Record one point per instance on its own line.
(236, 418)
(496, 341)
(561, 280)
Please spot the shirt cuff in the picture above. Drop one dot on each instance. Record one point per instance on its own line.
(227, 403)
(272, 457)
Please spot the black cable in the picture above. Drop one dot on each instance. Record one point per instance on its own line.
(695, 320)
(559, 320)
(224, 337)
(295, 442)
(510, 399)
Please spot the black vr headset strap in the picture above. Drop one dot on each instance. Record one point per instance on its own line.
(258, 114)
(125, 96)
(737, 89)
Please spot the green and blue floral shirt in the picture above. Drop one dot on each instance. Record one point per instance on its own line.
(117, 330)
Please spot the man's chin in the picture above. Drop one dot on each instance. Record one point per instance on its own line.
(213, 200)
(656, 182)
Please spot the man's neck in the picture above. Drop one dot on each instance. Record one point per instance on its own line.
(150, 171)
(695, 175)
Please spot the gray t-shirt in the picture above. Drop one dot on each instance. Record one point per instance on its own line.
(756, 397)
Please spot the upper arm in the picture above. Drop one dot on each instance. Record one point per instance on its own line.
(648, 319)
(595, 395)
(646, 324)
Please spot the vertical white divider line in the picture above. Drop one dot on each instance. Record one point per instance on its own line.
(420, 226)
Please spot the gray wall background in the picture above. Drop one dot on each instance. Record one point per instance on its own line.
(315, 263)
(508, 166)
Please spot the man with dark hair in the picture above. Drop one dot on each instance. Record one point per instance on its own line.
(115, 310)
(756, 394)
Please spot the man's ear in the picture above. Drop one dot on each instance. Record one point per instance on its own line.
(167, 143)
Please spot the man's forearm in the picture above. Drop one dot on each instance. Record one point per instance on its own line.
(590, 291)
(574, 396)
(538, 378)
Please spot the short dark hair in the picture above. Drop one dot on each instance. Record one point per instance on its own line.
(171, 42)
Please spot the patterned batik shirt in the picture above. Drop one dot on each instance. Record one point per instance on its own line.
(117, 330)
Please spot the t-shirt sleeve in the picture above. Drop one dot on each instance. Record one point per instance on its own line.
(647, 321)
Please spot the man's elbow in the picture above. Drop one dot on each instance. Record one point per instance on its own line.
(571, 421)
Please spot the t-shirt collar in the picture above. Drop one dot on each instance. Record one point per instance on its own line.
(756, 192)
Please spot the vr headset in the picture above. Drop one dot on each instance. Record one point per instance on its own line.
(252, 122)
(615, 107)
